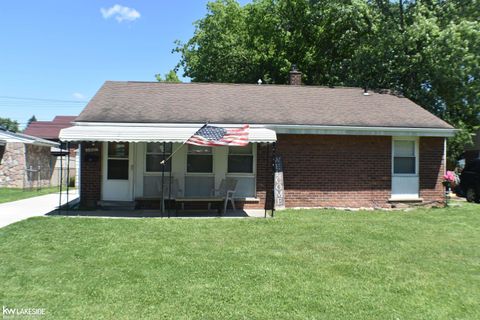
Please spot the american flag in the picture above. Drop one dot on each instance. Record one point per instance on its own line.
(218, 136)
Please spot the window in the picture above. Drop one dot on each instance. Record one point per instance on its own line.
(2, 151)
(156, 153)
(199, 159)
(240, 159)
(404, 157)
(117, 168)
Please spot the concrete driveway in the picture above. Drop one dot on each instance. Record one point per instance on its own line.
(11, 212)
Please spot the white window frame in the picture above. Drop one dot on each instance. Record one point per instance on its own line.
(417, 153)
(248, 174)
(117, 158)
(155, 173)
(204, 174)
(243, 154)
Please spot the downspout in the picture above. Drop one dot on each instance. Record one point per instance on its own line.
(444, 155)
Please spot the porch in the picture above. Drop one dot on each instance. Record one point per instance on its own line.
(145, 213)
(159, 171)
(173, 176)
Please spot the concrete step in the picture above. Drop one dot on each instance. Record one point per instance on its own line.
(117, 205)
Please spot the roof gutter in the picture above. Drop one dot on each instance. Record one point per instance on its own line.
(23, 138)
(370, 131)
(301, 129)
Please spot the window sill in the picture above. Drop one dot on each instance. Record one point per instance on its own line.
(247, 199)
(155, 173)
(405, 199)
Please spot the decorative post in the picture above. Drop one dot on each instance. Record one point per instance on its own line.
(278, 180)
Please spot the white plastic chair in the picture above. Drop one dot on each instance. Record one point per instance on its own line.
(227, 189)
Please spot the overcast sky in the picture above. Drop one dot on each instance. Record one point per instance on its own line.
(65, 50)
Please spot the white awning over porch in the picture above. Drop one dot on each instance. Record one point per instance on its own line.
(133, 132)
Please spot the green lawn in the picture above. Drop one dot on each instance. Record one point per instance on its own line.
(309, 264)
(14, 194)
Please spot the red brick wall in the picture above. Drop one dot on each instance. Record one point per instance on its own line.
(344, 171)
(264, 178)
(91, 175)
(321, 171)
(336, 171)
(432, 168)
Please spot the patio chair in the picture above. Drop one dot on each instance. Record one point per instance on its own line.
(227, 189)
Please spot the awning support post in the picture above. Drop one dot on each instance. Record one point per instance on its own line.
(68, 171)
(162, 203)
(273, 177)
(170, 182)
(61, 180)
(267, 153)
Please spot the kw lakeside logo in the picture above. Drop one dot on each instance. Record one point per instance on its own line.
(24, 312)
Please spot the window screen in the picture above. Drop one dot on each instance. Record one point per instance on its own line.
(404, 157)
(240, 159)
(156, 154)
(199, 159)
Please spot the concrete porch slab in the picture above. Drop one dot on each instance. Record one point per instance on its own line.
(250, 213)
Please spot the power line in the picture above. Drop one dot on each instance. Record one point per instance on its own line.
(41, 99)
(39, 107)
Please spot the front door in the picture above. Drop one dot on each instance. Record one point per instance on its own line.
(117, 169)
(405, 177)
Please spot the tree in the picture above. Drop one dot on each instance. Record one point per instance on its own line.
(171, 76)
(9, 124)
(426, 50)
(32, 119)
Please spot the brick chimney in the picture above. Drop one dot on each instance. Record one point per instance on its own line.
(295, 76)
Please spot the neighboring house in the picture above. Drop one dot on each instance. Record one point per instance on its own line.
(25, 161)
(341, 147)
(50, 130)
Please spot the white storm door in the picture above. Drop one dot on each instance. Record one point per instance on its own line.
(405, 177)
(117, 171)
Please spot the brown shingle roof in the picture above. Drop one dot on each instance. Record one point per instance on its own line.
(153, 102)
(49, 129)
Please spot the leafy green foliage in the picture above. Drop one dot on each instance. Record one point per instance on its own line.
(458, 143)
(427, 50)
(9, 124)
(171, 76)
(32, 119)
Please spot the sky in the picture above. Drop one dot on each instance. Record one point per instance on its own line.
(58, 53)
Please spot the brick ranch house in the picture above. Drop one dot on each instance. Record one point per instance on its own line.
(341, 147)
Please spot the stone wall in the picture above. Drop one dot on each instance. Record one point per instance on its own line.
(17, 158)
(39, 159)
(12, 166)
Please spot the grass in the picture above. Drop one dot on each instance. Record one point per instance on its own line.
(14, 194)
(309, 264)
